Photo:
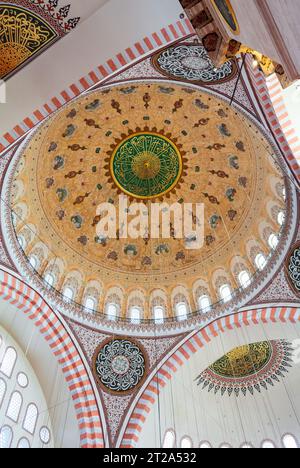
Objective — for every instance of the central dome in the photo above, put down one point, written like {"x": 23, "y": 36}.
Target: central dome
{"x": 146, "y": 165}
{"x": 152, "y": 142}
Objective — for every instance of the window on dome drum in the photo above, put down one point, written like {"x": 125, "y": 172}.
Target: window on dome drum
{"x": 284, "y": 193}
{"x": 6, "y": 436}
{"x": 159, "y": 314}
{"x": 281, "y": 218}
{"x": 68, "y": 294}
{"x": 246, "y": 445}
{"x": 14, "y": 407}
{"x": 204, "y": 304}
{"x": 8, "y": 362}
{"x": 49, "y": 279}
{"x": 244, "y": 279}
{"x": 33, "y": 262}
{"x": 112, "y": 311}
{"x": 268, "y": 444}
{"x": 90, "y": 304}
{"x": 135, "y": 315}
{"x": 169, "y": 440}
{"x": 22, "y": 242}
{"x": 2, "y": 391}
{"x": 30, "y": 419}
{"x": 23, "y": 443}
{"x": 225, "y": 293}
{"x": 260, "y": 261}
{"x": 186, "y": 443}
{"x": 273, "y": 241}
{"x": 181, "y": 311}
{"x": 289, "y": 442}
{"x": 225, "y": 446}
{"x": 205, "y": 445}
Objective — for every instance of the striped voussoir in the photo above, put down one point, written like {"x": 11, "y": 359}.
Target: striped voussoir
{"x": 193, "y": 344}
{"x": 277, "y": 98}
{"x": 165, "y": 36}
{"x": 267, "y": 92}
{"x": 30, "y": 303}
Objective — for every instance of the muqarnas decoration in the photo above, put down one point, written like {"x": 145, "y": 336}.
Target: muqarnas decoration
{"x": 27, "y": 27}
{"x": 249, "y": 368}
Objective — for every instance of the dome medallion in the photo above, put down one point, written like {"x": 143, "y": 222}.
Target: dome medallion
{"x": 146, "y": 165}
{"x": 119, "y": 366}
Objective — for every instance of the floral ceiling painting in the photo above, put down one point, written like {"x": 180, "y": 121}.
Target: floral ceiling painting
{"x": 249, "y": 368}
{"x": 27, "y": 27}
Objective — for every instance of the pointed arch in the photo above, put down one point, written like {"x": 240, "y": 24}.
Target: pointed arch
{"x": 52, "y": 328}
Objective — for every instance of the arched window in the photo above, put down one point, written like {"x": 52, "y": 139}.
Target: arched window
{"x": 30, "y": 419}
{"x": 246, "y": 445}
{"x": 273, "y": 241}
{"x": 289, "y": 442}
{"x": 159, "y": 314}
{"x": 186, "y": 443}
{"x": 23, "y": 443}
{"x": 268, "y": 444}
{"x": 204, "y": 304}
{"x": 225, "y": 446}
{"x": 68, "y": 294}
{"x": 8, "y": 362}
{"x": 181, "y": 311}
{"x": 90, "y": 303}
{"x": 260, "y": 261}
{"x": 225, "y": 293}
{"x": 169, "y": 440}
{"x": 22, "y": 242}
{"x": 284, "y": 193}
{"x": 135, "y": 315}
{"x": 205, "y": 445}
{"x": 2, "y": 391}
{"x": 14, "y": 407}
{"x": 33, "y": 262}
{"x": 49, "y": 279}
{"x": 6, "y": 436}
{"x": 112, "y": 311}
{"x": 244, "y": 279}
{"x": 281, "y": 218}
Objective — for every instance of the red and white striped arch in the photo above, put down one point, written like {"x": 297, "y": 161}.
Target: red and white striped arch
{"x": 50, "y": 326}
{"x": 159, "y": 39}
{"x": 192, "y": 345}
{"x": 277, "y": 98}
{"x": 262, "y": 90}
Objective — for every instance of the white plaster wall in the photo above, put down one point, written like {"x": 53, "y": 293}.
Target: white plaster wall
{"x": 286, "y": 14}
{"x": 253, "y": 30}
{"x": 194, "y": 412}
{"x": 118, "y": 24}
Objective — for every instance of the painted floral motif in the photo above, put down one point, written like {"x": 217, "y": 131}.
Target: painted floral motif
{"x": 120, "y": 365}
{"x": 294, "y": 269}
{"x": 248, "y": 368}
{"x": 192, "y": 63}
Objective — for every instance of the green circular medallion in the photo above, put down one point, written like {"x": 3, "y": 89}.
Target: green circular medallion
{"x": 146, "y": 165}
